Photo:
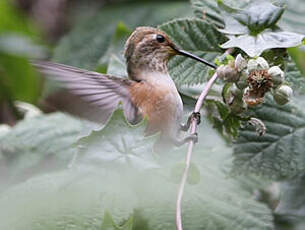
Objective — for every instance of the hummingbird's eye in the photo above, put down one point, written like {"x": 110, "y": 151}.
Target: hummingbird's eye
{"x": 160, "y": 38}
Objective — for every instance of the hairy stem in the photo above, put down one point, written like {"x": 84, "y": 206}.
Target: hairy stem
{"x": 197, "y": 108}
{"x": 190, "y": 150}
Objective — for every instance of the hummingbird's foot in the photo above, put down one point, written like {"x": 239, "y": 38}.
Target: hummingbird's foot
{"x": 191, "y": 137}
{"x": 194, "y": 115}
{"x": 184, "y": 127}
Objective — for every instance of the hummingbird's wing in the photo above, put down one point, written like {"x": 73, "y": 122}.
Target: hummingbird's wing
{"x": 103, "y": 92}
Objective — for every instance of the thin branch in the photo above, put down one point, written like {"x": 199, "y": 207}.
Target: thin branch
{"x": 190, "y": 150}
{"x": 198, "y": 106}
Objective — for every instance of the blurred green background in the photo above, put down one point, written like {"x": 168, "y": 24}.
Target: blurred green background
{"x": 76, "y": 32}
{"x": 85, "y": 34}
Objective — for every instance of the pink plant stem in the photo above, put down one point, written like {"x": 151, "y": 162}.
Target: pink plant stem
{"x": 198, "y": 105}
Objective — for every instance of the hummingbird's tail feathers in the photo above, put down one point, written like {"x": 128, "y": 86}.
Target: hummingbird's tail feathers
{"x": 104, "y": 92}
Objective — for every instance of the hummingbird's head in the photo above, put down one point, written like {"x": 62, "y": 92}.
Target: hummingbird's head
{"x": 149, "y": 49}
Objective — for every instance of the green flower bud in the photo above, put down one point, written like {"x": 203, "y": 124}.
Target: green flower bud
{"x": 282, "y": 94}
{"x": 242, "y": 81}
{"x": 262, "y": 64}
{"x": 227, "y": 73}
{"x": 277, "y": 75}
{"x": 240, "y": 63}
{"x": 252, "y": 65}
{"x": 238, "y": 105}
{"x": 236, "y": 91}
{"x": 233, "y": 98}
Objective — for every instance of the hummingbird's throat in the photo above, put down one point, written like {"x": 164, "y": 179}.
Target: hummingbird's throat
{"x": 152, "y": 63}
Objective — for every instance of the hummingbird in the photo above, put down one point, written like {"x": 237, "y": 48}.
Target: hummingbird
{"x": 149, "y": 91}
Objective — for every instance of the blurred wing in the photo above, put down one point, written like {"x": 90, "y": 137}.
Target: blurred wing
{"x": 102, "y": 91}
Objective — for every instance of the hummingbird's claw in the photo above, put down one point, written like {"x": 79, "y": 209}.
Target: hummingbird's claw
{"x": 191, "y": 137}
{"x": 194, "y": 115}
{"x": 184, "y": 127}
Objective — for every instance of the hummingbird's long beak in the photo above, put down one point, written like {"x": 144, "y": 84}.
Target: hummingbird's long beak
{"x": 187, "y": 54}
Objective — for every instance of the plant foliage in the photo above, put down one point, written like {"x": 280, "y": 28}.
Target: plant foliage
{"x": 60, "y": 172}
{"x": 277, "y": 153}
{"x": 119, "y": 183}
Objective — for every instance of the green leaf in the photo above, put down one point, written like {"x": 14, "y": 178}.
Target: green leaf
{"x": 117, "y": 66}
{"x": 223, "y": 119}
{"x": 109, "y": 224}
{"x": 77, "y": 198}
{"x": 193, "y": 174}
{"x": 97, "y": 31}
{"x": 293, "y": 17}
{"x": 37, "y": 145}
{"x": 211, "y": 156}
{"x": 198, "y": 37}
{"x": 298, "y": 56}
{"x": 256, "y": 17}
{"x": 193, "y": 35}
{"x": 291, "y": 207}
{"x": 74, "y": 198}
{"x": 21, "y": 46}
{"x": 209, "y": 10}
{"x": 291, "y": 20}
{"x": 113, "y": 60}
{"x": 279, "y": 154}
{"x": 11, "y": 20}
{"x": 295, "y": 78}
{"x": 255, "y": 45}
{"x": 19, "y": 80}
{"x": 120, "y": 143}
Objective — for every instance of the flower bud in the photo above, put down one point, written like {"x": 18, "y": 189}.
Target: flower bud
{"x": 242, "y": 81}
{"x": 227, "y": 73}
{"x": 236, "y": 91}
{"x": 252, "y": 65}
{"x": 262, "y": 64}
{"x": 250, "y": 97}
{"x": 233, "y": 98}
{"x": 238, "y": 105}
{"x": 240, "y": 63}
{"x": 277, "y": 75}
{"x": 282, "y": 94}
